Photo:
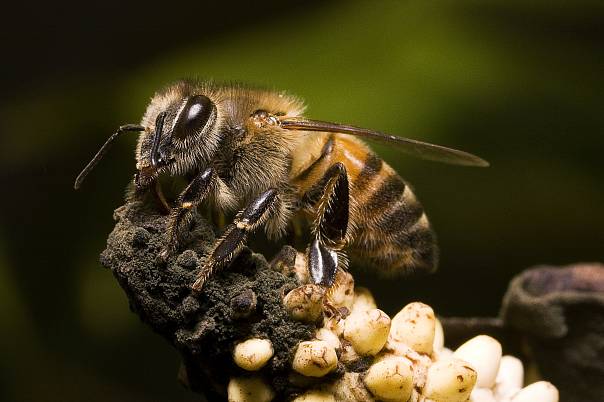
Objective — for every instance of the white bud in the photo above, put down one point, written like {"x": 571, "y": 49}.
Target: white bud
{"x": 305, "y": 303}
{"x": 390, "y": 379}
{"x": 541, "y": 391}
{"x": 367, "y": 331}
{"x": 242, "y": 389}
{"x": 341, "y": 294}
{"x": 253, "y": 354}
{"x": 414, "y": 326}
{"x": 511, "y": 371}
{"x": 510, "y": 377}
{"x": 449, "y": 380}
{"x": 439, "y": 336}
{"x": 315, "y": 396}
{"x": 324, "y": 334}
{"x": 482, "y": 395}
{"x": 483, "y": 353}
{"x": 315, "y": 358}
{"x": 363, "y": 300}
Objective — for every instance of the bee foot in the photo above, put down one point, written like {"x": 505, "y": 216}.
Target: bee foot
{"x": 197, "y": 286}
{"x": 333, "y": 311}
{"x": 205, "y": 272}
{"x": 163, "y": 255}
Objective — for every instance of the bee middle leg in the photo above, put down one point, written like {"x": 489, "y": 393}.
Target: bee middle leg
{"x": 187, "y": 201}
{"x": 324, "y": 254}
{"x": 233, "y": 239}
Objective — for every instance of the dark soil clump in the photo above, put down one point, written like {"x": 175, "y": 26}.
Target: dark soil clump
{"x": 241, "y": 301}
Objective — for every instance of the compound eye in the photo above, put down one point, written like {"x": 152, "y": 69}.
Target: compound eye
{"x": 194, "y": 116}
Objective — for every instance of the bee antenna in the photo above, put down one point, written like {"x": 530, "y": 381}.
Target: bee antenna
{"x": 99, "y": 155}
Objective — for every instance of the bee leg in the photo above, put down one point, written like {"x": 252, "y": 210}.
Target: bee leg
{"x": 187, "y": 201}
{"x": 160, "y": 197}
{"x": 322, "y": 263}
{"x": 137, "y": 192}
{"x": 324, "y": 254}
{"x": 233, "y": 239}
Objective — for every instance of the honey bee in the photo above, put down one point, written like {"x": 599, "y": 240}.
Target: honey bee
{"x": 253, "y": 150}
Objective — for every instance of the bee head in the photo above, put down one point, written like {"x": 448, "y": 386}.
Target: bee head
{"x": 178, "y": 133}
{"x": 181, "y": 135}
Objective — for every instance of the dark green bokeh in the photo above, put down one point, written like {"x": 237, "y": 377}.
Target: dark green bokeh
{"x": 518, "y": 83}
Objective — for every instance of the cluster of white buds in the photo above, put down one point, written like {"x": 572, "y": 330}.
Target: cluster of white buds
{"x": 407, "y": 359}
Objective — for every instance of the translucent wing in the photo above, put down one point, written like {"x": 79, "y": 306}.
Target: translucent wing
{"x": 420, "y": 149}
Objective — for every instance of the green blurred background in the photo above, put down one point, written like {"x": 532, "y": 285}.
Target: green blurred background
{"x": 519, "y": 83}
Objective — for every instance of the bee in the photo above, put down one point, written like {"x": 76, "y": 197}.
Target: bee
{"x": 253, "y": 150}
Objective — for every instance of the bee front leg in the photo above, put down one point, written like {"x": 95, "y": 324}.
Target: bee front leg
{"x": 187, "y": 201}
{"x": 324, "y": 254}
{"x": 233, "y": 239}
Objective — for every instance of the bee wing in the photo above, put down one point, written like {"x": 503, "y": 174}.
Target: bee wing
{"x": 420, "y": 149}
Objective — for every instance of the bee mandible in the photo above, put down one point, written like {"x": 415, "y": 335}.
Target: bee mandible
{"x": 253, "y": 150}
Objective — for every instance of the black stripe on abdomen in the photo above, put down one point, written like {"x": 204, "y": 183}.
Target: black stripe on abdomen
{"x": 403, "y": 214}
{"x": 385, "y": 196}
{"x": 371, "y": 169}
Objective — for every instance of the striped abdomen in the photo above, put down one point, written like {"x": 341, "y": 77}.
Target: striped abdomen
{"x": 388, "y": 227}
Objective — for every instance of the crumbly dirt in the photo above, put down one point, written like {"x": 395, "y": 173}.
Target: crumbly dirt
{"x": 241, "y": 301}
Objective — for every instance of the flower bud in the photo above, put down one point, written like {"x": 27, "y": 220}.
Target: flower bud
{"x": 315, "y": 358}
{"x": 363, "y": 300}
{"x": 541, "y": 391}
{"x": 367, "y": 331}
{"x": 305, "y": 303}
{"x": 341, "y": 293}
{"x": 439, "y": 336}
{"x": 449, "y": 380}
{"x": 390, "y": 379}
{"x": 253, "y": 354}
{"x": 414, "y": 326}
{"x": 510, "y": 377}
{"x": 242, "y": 389}
{"x": 483, "y": 353}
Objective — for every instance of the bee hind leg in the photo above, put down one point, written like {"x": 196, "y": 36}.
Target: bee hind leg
{"x": 187, "y": 201}
{"x": 233, "y": 239}
{"x": 324, "y": 254}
